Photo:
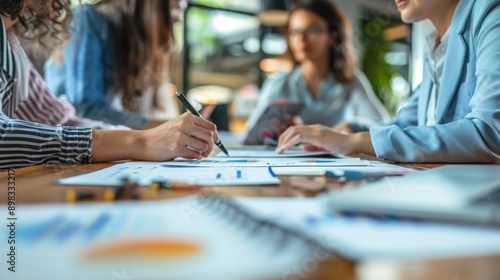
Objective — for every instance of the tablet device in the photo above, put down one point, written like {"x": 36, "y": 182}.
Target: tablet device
{"x": 265, "y": 128}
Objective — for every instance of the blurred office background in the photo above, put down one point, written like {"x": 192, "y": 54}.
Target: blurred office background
{"x": 233, "y": 45}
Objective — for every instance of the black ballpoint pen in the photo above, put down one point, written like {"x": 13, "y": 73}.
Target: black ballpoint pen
{"x": 193, "y": 111}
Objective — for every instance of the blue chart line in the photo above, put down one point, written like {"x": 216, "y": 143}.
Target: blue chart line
{"x": 96, "y": 226}
{"x": 67, "y": 231}
{"x": 37, "y": 231}
{"x": 238, "y": 174}
{"x": 320, "y": 161}
{"x": 314, "y": 220}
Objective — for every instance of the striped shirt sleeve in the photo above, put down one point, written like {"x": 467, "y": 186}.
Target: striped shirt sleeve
{"x": 24, "y": 143}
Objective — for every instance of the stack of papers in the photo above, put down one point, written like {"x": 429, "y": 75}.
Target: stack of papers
{"x": 248, "y": 165}
{"x": 219, "y": 171}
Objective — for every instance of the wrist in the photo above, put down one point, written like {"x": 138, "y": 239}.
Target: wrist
{"x": 361, "y": 143}
{"x": 136, "y": 143}
{"x": 109, "y": 145}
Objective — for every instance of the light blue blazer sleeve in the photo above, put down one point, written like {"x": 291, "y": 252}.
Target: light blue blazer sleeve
{"x": 468, "y": 106}
{"x": 87, "y": 71}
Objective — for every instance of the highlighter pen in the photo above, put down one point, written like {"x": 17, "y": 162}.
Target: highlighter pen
{"x": 113, "y": 193}
{"x": 193, "y": 111}
{"x": 74, "y": 196}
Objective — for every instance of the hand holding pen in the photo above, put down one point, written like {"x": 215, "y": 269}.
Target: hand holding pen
{"x": 193, "y": 111}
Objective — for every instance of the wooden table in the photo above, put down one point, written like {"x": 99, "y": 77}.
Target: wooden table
{"x": 36, "y": 185}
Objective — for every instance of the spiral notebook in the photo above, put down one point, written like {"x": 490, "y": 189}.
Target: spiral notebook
{"x": 188, "y": 238}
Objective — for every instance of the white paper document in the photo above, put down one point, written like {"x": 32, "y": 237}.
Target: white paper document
{"x": 365, "y": 237}
{"x": 266, "y": 162}
{"x": 270, "y": 152}
{"x": 370, "y": 167}
{"x": 175, "y": 239}
{"x": 146, "y": 173}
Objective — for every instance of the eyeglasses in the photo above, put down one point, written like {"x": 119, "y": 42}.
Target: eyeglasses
{"x": 312, "y": 31}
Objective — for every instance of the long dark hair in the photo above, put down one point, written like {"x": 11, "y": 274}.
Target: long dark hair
{"x": 343, "y": 59}
{"x": 143, "y": 40}
{"x": 44, "y": 20}
{"x": 11, "y": 8}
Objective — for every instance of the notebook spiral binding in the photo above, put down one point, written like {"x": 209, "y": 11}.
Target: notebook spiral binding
{"x": 234, "y": 212}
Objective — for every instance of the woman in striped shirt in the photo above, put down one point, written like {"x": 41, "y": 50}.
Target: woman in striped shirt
{"x": 36, "y": 127}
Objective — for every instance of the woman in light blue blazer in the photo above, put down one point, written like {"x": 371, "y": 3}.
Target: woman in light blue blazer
{"x": 454, "y": 115}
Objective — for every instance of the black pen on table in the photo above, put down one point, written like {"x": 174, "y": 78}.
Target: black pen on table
{"x": 193, "y": 111}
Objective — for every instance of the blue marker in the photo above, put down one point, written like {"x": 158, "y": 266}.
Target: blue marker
{"x": 219, "y": 176}
{"x": 238, "y": 174}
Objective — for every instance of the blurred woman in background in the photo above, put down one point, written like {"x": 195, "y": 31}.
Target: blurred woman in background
{"x": 325, "y": 78}
{"x": 117, "y": 61}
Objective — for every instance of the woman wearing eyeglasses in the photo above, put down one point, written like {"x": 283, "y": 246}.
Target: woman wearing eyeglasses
{"x": 454, "y": 115}
{"x": 325, "y": 78}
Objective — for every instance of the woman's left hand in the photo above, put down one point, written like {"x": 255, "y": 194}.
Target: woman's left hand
{"x": 319, "y": 137}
